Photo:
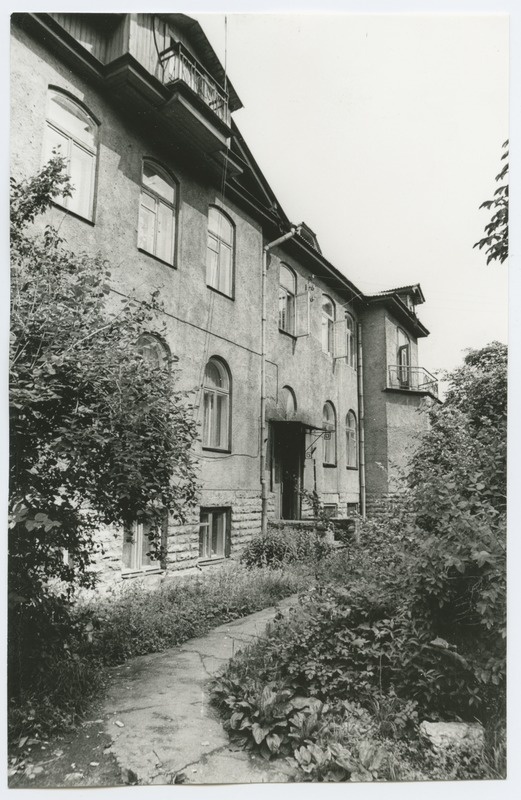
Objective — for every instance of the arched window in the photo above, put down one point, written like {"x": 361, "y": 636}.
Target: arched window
{"x": 220, "y": 252}
{"x": 329, "y": 437}
{"x": 351, "y": 340}
{"x": 351, "y": 440}
{"x": 154, "y": 351}
{"x": 287, "y": 292}
{"x": 328, "y": 321}
{"x": 216, "y": 404}
{"x": 288, "y": 402}
{"x": 157, "y": 213}
{"x": 403, "y": 358}
{"x": 73, "y": 133}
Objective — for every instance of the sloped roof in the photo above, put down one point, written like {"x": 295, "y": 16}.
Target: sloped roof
{"x": 414, "y": 289}
{"x": 206, "y": 54}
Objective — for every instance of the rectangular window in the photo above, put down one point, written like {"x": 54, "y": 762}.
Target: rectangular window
{"x": 137, "y": 548}
{"x": 286, "y": 311}
{"x": 80, "y": 165}
{"x": 214, "y": 533}
{"x": 329, "y": 439}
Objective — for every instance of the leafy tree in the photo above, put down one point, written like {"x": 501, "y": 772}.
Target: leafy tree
{"x": 496, "y": 239}
{"x": 99, "y": 436}
{"x": 458, "y": 505}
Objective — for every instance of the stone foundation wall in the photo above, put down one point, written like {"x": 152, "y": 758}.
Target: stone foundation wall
{"x": 182, "y": 541}
{"x": 378, "y": 506}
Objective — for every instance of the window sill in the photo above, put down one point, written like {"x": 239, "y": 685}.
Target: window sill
{"x": 217, "y": 450}
{"x": 157, "y": 258}
{"x": 287, "y": 333}
{"x": 206, "y": 562}
{"x": 223, "y": 294}
{"x": 72, "y": 213}
{"x": 329, "y": 466}
{"x": 353, "y": 469}
{"x": 136, "y": 573}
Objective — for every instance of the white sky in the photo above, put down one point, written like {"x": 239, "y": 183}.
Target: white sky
{"x": 384, "y": 133}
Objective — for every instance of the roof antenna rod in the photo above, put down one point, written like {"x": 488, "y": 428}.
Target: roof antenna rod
{"x": 225, "y": 52}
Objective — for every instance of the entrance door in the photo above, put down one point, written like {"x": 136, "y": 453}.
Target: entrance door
{"x": 288, "y": 445}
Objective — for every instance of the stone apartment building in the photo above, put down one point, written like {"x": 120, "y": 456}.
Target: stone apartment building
{"x": 301, "y": 381}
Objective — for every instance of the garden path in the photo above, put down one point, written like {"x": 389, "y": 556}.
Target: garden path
{"x": 158, "y": 715}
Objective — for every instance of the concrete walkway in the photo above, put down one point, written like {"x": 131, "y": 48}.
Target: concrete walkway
{"x": 159, "y": 716}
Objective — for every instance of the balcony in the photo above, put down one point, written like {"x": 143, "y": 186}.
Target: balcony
{"x": 412, "y": 379}
{"x": 180, "y": 67}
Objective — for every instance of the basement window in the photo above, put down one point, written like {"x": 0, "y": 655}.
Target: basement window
{"x": 214, "y": 534}
{"x": 138, "y": 548}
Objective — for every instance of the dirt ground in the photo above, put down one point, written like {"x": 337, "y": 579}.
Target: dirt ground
{"x": 82, "y": 757}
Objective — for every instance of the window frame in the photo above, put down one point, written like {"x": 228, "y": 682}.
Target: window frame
{"x": 223, "y": 512}
{"x": 328, "y": 323}
{"x": 221, "y": 365}
{"x": 73, "y": 139}
{"x": 220, "y": 244}
{"x": 331, "y": 442}
{"x": 288, "y": 298}
{"x": 159, "y": 200}
{"x": 403, "y": 364}
{"x": 351, "y": 435}
{"x": 146, "y": 339}
{"x": 351, "y": 340}
{"x": 288, "y": 391}
{"x": 137, "y": 531}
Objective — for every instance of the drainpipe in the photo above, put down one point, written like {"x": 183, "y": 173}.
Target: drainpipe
{"x": 361, "y": 423}
{"x": 264, "y": 488}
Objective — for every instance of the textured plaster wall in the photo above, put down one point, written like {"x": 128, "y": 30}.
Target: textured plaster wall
{"x": 198, "y": 323}
{"x": 315, "y": 378}
{"x": 375, "y": 357}
{"x": 393, "y": 423}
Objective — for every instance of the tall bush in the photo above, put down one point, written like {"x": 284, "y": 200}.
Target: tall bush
{"x": 98, "y": 435}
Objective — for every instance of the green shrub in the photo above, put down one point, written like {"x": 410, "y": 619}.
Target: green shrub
{"x": 279, "y": 547}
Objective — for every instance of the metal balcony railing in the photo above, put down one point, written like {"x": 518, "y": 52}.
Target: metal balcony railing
{"x": 179, "y": 65}
{"x": 414, "y": 379}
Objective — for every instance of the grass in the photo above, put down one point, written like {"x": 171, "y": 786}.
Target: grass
{"x": 136, "y": 621}
{"x": 133, "y": 620}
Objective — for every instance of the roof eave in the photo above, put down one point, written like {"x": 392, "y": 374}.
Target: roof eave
{"x": 401, "y": 312}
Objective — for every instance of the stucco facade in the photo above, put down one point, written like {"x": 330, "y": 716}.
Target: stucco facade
{"x": 109, "y": 66}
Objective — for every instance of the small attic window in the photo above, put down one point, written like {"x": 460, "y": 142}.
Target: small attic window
{"x": 309, "y": 236}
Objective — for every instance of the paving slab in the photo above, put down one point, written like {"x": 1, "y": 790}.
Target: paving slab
{"x": 158, "y": 713}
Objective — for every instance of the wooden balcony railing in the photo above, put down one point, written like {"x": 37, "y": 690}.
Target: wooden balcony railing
{"x": 414, "y": 379}
{"x": 179, "y": 65}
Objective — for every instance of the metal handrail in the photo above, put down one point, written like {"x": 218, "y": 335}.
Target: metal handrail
{"x": 179, "y": 65}
{"x": 414, "y": 379}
